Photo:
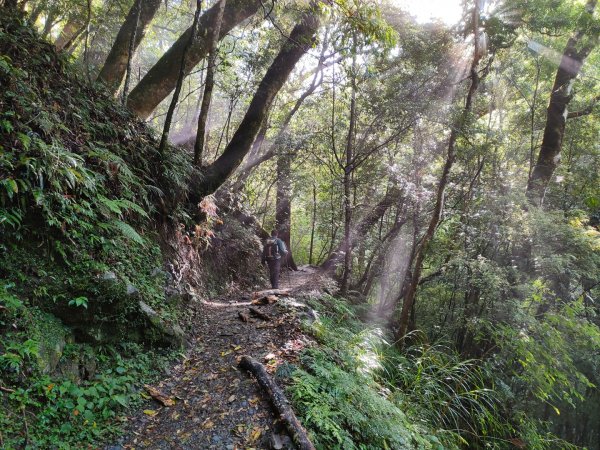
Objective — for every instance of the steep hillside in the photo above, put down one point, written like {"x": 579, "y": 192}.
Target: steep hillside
{"x": 98, "y": 257}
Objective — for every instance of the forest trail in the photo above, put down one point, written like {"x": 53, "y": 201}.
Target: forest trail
{"x": 217, "y": 406}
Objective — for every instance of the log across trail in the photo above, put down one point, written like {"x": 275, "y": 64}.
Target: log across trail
{"x": 279, "y": 401}
{"x": 217, "y": 404}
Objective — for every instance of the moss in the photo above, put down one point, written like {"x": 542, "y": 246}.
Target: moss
{"x": 52, "y": 337}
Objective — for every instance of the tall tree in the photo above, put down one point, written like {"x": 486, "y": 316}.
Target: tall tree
{"x": 139, "y": 17}
{"x": 299, "y": 41}
{"x": 181, "y": 76}
{"x": 214, "y": 32}
{"x": 577, "y": 49}
{"x": 283, "y": 202}
{"x": 161, "y": 79}
{"x": 457, "y": 129}
{"x": 348, "y": 168}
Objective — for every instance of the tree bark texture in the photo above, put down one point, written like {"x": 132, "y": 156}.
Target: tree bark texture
{"x": 279, "y": 401}
{"x": 209, "y": 84}
{"x": 161, "y": 79}
{"x": 300, "y": 40}
{"x": 115, "y": 66}
{"x": 577, "y": 49}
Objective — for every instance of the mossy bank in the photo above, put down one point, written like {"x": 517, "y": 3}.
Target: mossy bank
{"x": 98, "y": 254}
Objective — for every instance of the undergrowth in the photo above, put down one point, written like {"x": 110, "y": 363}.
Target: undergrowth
{"x": 355, "y": 390}
{"x": 72, "y": 408}
{"x": 81, "y": 184}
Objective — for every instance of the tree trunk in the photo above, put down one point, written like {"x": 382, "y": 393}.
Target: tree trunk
{"x": 115, "y": 66}
{"x": 208, "y": 86}
{"x": 131, "y": 51}
{"x": 409, "y": 297}
{"x": 363, "y": 227}
{"x": 313, "y": 224}
{"x": 251, "y": 163}
{"x": 283, "y": 203}
{"x": 576, "y": 50}
{"x": 70, "y": 29}
{"x": 48, "y": 23}
{"x": 301, "y": 39}
{"x": 161, "y": 79}
{"x": 347, "y": 182}
{"x": 175, "y": 99}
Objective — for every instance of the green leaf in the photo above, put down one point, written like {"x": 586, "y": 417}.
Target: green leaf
{"x": 127, "y": 231}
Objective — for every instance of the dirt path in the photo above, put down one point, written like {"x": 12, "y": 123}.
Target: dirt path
{"x": 216, "y": 405}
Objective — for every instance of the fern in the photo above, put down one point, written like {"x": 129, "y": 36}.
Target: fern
{"x": 12, "y": 217}
{"x": 127, "y": 231}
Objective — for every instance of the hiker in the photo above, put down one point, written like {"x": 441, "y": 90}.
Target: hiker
{"x": 273, "y": 250}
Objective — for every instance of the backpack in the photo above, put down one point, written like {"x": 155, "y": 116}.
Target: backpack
{"x": 271, "y": 250}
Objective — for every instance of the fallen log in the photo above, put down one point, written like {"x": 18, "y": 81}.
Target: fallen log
{"x": 266, "y": 300}
{"x": 260, "y": 315}
{"x": 279, "y": 401}
{"x": 266, "y": 293}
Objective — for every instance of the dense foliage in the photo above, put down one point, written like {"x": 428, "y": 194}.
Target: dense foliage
{"x": 448, "y": 177}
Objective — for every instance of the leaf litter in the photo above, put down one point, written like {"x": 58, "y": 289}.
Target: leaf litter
{"x": 206, "y": 402}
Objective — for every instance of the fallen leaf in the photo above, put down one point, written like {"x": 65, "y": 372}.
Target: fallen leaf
{"x": 256, "y": 432}
{"x": 270, "y": 356}
{"x": 231, "y": 399}
{"x": 208, "y": 424}
{"x": 159, "y": 396}
{"x": 150, "y": 412}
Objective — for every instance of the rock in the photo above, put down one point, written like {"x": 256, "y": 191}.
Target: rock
{"x": 173, "y": 295}
{"x": 280, "y": 442}
{"x": 292, "y": 303}
{"x": 171, "y": 333}
{"x": 132, "y": 290}
{"x": 54, "y": 338}
{"x": 109, "y": 276}
{"x": 157, "y": 271}
{"x": 310, "y": 315}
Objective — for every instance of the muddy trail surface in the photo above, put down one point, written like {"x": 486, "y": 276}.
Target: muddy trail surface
{"x": 207, "y": 402}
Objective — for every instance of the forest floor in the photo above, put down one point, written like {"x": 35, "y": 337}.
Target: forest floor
{"x": 217, "y": 406}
